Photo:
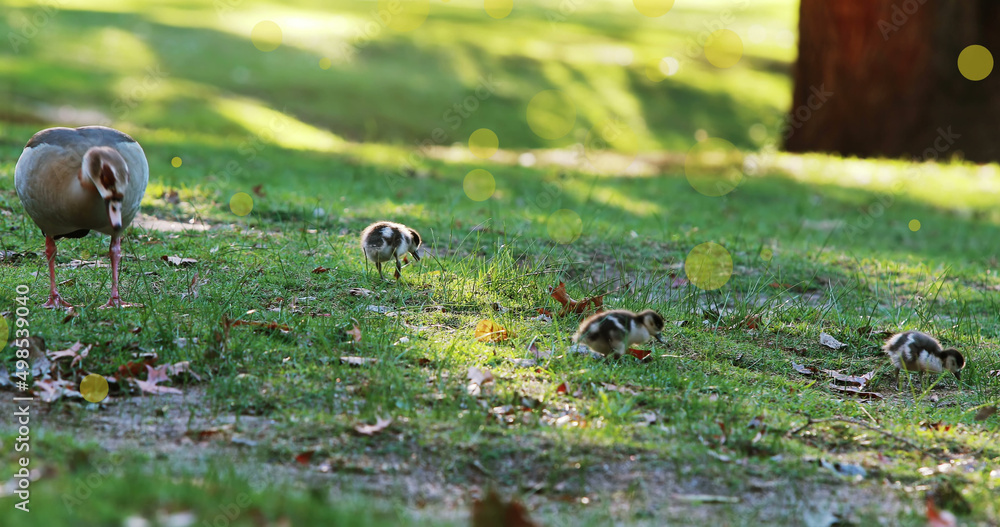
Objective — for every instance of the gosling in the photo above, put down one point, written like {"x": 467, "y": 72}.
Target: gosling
{"x": 611, "y": 332}
{"x": 916, "y": 351}
{"x": 384, "y": 240}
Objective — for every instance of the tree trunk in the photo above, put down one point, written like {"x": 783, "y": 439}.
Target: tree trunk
{"x": 880, "y": 78}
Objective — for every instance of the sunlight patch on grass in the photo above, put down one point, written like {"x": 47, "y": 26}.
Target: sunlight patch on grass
{"x": 276, "y": 127}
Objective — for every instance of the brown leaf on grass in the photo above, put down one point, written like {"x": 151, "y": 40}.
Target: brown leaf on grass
{"x": 267, "y": 326}
{"x": 133, "y": 369}
{"x": 985, "y": 412}
{"x": 153, "y": 378}
{"x": 494, "y": 512}
{"x": 481, "y": 382}
{"x": 380, "y": 424}
{"x": 193, "y": 287}
{"x": 803, "y": 369}
{"x": 489, "y": 331}
{"x": 258, "y": 190}
{"x": 354, "y": 333}
{"x": 860, "y": 380}
{"x": 358, "y": 361}
{"x": 575, "y": 306}
{"x": 638, "y": 353}
{"x": 305, "y": 457}
{"x": 939, "y": 518}
{"x": 51, "y": 390}
{"x": 320, "y": 270}
{"x": 561, "y": 388}
{"x": 855, "y": 390}
{"x": 178, "y": 261}
{"x": 181, "y": 367}
{"x": 77, "y": 352}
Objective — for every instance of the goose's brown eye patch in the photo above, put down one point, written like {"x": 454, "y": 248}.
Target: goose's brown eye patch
{"x": 107, "y": 177}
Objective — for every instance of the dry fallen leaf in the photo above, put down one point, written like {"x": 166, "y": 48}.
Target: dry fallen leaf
{"x": 320, "y": 270}
{"x": 181, "y": 367}
{"x": 861, "y": 380}
{"x": 50, "y": 390}
{"x": 258, "y": 190}
{"x": 305, "y": 457}
{"x": 830, "y": 342}
{"x": 481, "y": 382}
{"x": 638, "y": 353}
{"x": 575, "y": 306}
{"x": 803, "y": 369}
{"x": 135, "y": 368}
{"x": 77, "y": 352}
{"x": 269, "y": 326}
{"x": 380, "y": 424}
{"x": 939, "y": 518}
{"x": 985, "y": 413}
{"x": 153, "y": 378}
{"x": 493, "y": 512}
{"x": 355, "y": 333}
{"x": 489, "y": 331}
{"x": 561, "y": 388}
{"x": 856, "y": 390}
{"x": 178, "y": 261}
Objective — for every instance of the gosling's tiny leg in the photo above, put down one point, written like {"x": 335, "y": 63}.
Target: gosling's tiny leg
{"x": 378, "y": 265}
{"x": 399, "y": 268}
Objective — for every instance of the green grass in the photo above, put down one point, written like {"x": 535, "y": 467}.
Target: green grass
{"x": 329, "y": 149}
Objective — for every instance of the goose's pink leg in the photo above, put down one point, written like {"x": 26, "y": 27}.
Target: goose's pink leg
{"x": 116, "y": 256}
{"x": 55, "y": 301}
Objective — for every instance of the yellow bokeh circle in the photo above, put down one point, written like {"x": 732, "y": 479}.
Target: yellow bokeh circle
{"x": 564, "y": 226}
{"x": 723, "y": 48}
{"x": 498, "y": 8}
{"x": 766, "y": 254}
{"x": 479, "y": 185}
{"x": 325, "y": 63}
{"x": 551, "y": 114}
{"x": 709, "y": 266}
{"x": 403, "y": 15}
{"x": 611, "y": 146}
{"x": 94, "y": 388}
{"x": 914, "y": 225}
{"x": 975, "y": 62}
{"x": 484, "y": 143}
{"x": 176, "y": 162}
{"x": 266, "y": 35}
{"x": 653, "y": 8}
{"x": 241, "y": 204}
{"x": 714, "y": 167}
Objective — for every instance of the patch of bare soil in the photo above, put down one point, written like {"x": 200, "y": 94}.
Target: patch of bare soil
{"x": 557, "y": 482}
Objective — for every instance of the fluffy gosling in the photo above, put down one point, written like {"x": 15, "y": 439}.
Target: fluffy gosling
{"x": 384, "y": 240}
{"x": 916, "y": 351}
{"x": 611, "y": 332}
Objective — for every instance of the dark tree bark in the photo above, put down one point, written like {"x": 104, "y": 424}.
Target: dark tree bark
{"x": 880, "y": 78}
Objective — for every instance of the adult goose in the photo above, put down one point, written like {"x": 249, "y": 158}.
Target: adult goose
{"x": 75, "y": 180}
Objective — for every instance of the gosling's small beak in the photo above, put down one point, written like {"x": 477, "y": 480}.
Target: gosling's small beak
{"x": 958, "y": 375}
{"x": 415, "y": 256}
{"x": 659, "y": 338}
